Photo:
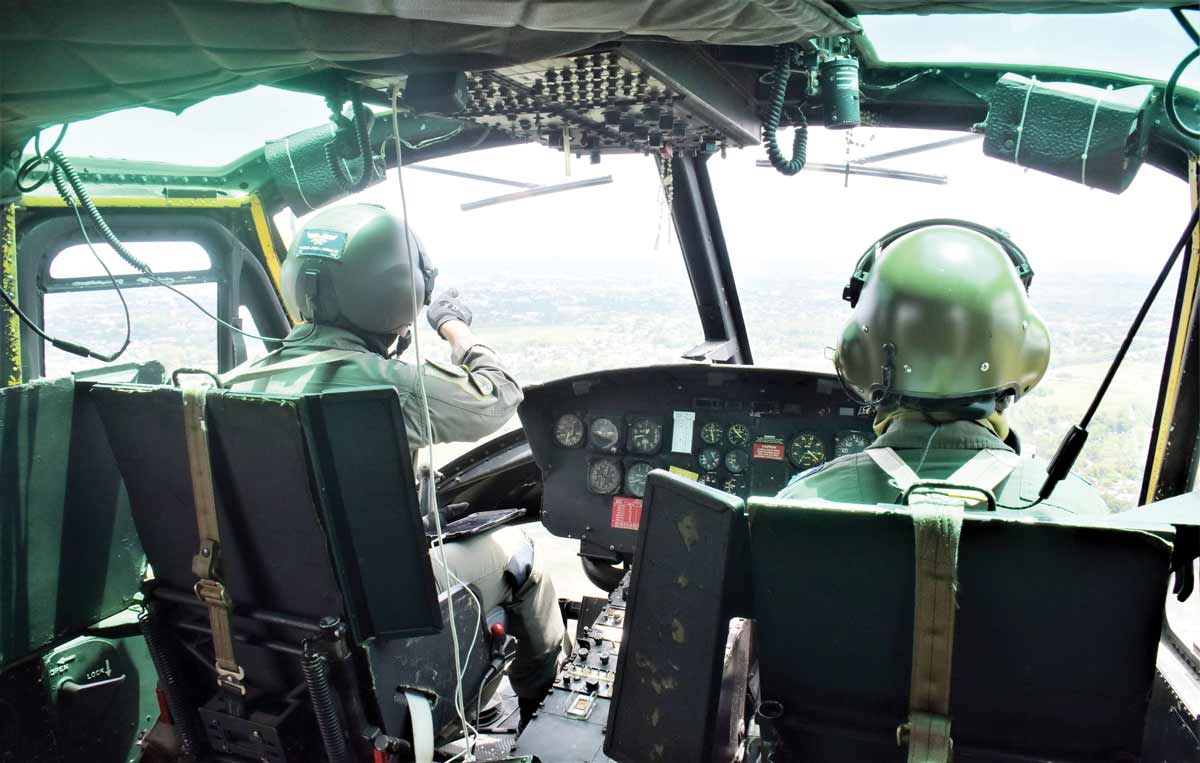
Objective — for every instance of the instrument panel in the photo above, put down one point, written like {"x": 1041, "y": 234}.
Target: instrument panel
{"x": 741, "y": 429}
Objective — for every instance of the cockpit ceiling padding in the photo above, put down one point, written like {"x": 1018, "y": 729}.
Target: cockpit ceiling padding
{"x": 65, "y": 60}
{"x": 1007, "y": 6}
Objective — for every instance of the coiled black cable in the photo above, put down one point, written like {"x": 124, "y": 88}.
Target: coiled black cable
{"x": 72, "y": 178}
{"x": 784, "y": 56}
{"x": 363, "y": 142}
{"x": 168, "y": 678}
{"x": 324, "y": 704}
{"x": 70, "y": 187}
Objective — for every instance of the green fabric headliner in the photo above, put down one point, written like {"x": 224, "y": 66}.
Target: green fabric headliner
{"x": 65, "y": 60}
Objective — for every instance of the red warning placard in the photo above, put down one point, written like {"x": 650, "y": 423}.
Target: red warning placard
{"x": 626, "y": 512}
{"x": 771, "y": 451}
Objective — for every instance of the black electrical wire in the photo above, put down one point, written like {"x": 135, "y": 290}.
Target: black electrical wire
{"x": 150, "y": 276}
{"x": 66, "y": 180}
{"x": 1169, "y": 97}
{"x": 781, "y": 74}
{"x": 1071, "y": 446}
{"x": 1141, "y": 316}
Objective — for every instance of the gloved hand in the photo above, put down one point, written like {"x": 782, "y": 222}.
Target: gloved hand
{"x": 447, "y": 307}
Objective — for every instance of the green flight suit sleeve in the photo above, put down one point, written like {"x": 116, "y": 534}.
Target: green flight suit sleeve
{"x": 469, "y": 398}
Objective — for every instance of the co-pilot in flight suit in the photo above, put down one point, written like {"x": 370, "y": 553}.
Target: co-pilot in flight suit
{"x": 937, "y": 451}
{"x": 468, "y": 400}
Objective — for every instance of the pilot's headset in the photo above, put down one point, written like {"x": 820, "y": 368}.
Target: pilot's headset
{"x": 349, "y": 266}
{"x": 942, "y": 320}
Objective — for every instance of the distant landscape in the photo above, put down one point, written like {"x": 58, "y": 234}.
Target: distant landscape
{"x": 549, "y": 328}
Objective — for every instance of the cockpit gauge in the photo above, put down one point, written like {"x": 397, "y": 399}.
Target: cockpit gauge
{"x": 645, "y": 436}
{"x": 604, "y": 476}
{"x": 850, "y": 441}
{"x": 709, "y": 459}
{"x": 736, "y": 484}
{"x": 736, "y": 461}
{"x": 635, "y": 479}
{"x": 806, "y": 450}
{"x": 605, "y": 435}
{"x": 568, "y": 431}
{"x": 711, "y": 479}
{"x": 711, "y": 433}
{"x": 738, "y": 434}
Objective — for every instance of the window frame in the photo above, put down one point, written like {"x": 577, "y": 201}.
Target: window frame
{"x": 239, "y": 276}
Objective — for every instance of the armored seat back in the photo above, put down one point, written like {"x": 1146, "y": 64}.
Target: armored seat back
{"x": 318, "y": 520}
{"x": 1055, "y": 632}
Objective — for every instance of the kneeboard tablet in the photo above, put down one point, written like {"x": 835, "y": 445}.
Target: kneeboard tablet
{"x": 474, "y": 524}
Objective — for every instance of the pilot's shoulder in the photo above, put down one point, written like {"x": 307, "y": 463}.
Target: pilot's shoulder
{"x": 820, "y": 481}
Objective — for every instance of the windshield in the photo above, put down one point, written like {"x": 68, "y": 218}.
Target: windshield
{"x": 1145, "y": 43}
{"x": 210, "y": 134}
{"x": 562, "y": 283}
{"x": 795, "y": 240}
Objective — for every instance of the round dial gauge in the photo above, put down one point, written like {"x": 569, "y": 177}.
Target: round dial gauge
{"x": 710, "y": 479}
{"x": 739, "y": 434}
{"x": 806, "y": 450}
{"x": 712, "y": 432}
{"x": 846, "y": 443}
{"x": 736, "y": 461}
{"x": 604, "y": 476}
{"x": 635, "y": 479}
{"x": 709, "y": 459}
{"x": 645, "y": 436}
{"x": 736, "y": 484}
{"x": 568, "y": 431}
{"x": 605, "y": 434}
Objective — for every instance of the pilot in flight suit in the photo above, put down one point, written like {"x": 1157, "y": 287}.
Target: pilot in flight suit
{"x": 942, "y": 339}
{"x": 349, "y": 277}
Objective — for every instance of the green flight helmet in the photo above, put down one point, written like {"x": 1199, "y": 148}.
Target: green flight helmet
{"x": 943, "y": 322}
{"x": 349, "y": 267}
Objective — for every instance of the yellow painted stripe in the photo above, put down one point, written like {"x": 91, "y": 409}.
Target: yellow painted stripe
{"x": 11, "y": 327}
{"x": 270, "y": 256}
{"x": 145, "y": 202}
{"x": 1185, "y": 321}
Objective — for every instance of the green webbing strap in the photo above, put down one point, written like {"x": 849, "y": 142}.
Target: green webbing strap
{"x": 249, "y": 371}
{"x": 936, "y": 532}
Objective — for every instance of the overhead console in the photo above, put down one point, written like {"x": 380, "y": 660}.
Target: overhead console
{"x": 741, "y": 429}
{"x": 634, "y": 96}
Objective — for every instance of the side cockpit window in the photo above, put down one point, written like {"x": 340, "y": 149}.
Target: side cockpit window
{"x": 79, "y": 303}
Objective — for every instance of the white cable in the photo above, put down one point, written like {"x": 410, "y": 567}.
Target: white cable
{"x": 468, "y": 730}
{"x": 1021, "y": 126}
{"x": 1087, "y": 146}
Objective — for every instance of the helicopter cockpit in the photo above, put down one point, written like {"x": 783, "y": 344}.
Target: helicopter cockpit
{"x": 661, "y": 214}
